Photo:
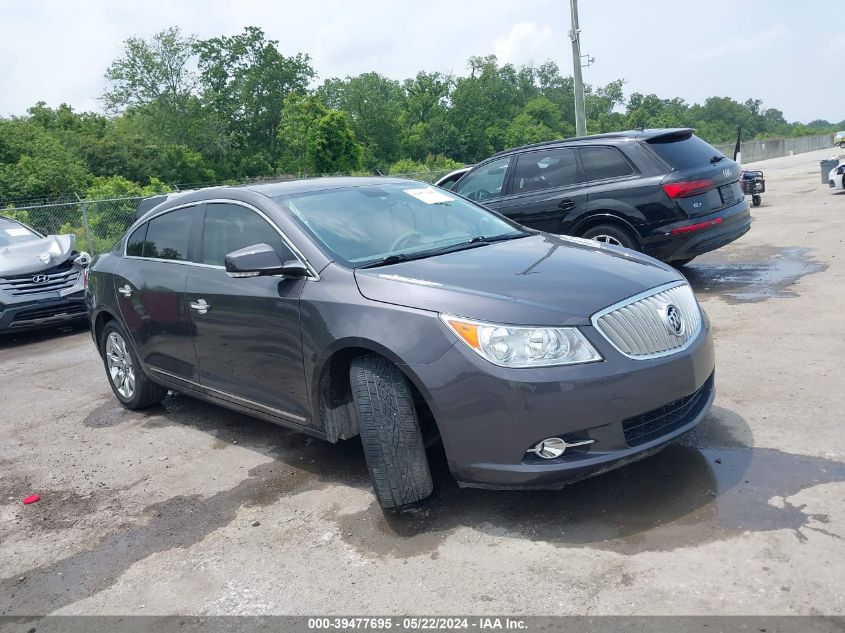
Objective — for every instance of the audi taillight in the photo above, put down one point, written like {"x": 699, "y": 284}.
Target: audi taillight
{"x": 687, "y": 188}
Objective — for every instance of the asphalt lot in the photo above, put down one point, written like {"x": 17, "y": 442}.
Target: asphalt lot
{"x": 153, "y": 512}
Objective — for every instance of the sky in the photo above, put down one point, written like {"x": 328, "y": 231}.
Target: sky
{"x": 786, "y": 53}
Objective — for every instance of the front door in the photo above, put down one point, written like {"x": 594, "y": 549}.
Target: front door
{"x": 548, "y": 188}
{"x": 150, "y": 286}
{"x": 247, "y": 331}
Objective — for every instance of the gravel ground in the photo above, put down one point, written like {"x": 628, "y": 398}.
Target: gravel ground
{"x": 190, "y": 509}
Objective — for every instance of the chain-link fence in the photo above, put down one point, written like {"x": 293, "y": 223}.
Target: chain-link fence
{"x": 98, "y": 224}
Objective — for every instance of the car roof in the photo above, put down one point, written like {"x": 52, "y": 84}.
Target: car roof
{"x": 639, "y": 134}
{"x": 290, "y": 187}
{"x": 269, "y": 190}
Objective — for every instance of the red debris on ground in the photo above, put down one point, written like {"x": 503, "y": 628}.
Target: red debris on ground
{"x": 31, "y": 499}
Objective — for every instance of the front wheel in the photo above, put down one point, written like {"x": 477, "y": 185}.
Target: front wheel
{"x": 611, "y": 234}
{"x": 842, "y": 145}
{"x": 128, "y": 381}
{"x": 390, "y": 432}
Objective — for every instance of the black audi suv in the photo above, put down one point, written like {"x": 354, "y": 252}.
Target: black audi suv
{"x": 664, "y": 192}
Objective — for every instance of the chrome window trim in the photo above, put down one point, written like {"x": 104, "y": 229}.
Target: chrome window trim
{"x": 313, "y": 275}
{"x": 264, "y": 407}
{"x": 638, "y": 297}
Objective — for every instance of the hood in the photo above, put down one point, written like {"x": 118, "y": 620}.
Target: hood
{"x": 36, "y": 255}
{"x": 537, "y": 280}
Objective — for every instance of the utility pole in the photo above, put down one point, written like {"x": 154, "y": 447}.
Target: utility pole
{"x": 575, "y": 36}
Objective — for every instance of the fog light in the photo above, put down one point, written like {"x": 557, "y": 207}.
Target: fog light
{"x": 554, "y": 447}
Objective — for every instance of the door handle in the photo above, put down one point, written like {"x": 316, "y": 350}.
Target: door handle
{"x": 200, "y": 306}
{"x": 125, "y": 290}
{"x": 566, "y": 204}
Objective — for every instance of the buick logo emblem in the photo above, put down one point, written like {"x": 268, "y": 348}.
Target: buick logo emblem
{"x": 726, "y": 173}
{"x": 40, "y": 279}
{"x": 673, "y": 320}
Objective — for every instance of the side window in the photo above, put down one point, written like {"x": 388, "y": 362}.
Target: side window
{"x": 229, "y": 227}
{"x": 169, "y": 235}
{"x": 546, "y": 169}
{"x": 135, "y": 243}
{"x": 605, "y": 162}
{"x": 485, "y": 182}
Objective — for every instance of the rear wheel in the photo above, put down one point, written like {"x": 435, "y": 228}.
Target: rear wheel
{"x": 390, "y": 432}
{"x": 756, "y": 200}
{"x": 128, "y": 381}
{"x": 611, "y": 234}
{"x": 842, "y": 145}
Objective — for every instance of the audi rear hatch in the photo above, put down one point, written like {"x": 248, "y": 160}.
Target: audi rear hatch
{"x": 702, "y": 180}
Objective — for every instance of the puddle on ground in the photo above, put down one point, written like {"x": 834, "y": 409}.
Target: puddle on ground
{"x": 748, "y": 274}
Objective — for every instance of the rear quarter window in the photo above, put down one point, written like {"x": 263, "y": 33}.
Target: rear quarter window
{"x": 135, "y": 242}
{"x": 683, "y": 152}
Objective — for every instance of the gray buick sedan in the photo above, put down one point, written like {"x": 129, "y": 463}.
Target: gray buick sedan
{"x": 406, "y": 315}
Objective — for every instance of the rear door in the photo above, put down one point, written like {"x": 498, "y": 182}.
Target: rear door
{"x": 247, "y": 331}
{"x": 548, "y": 188}
{"x": 617, "y": 186}
{"x": 150, "y": 285}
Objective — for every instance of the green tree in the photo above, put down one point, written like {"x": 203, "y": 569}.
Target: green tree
{"x": 245, "y": 80}
{"x": 373, "y": 103}
{"x": 155, "y": 76}
{"x": 315, "y": 139}
{"x": 35, "y": 164}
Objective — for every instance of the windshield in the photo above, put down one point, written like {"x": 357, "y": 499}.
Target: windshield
{"x": 368, "y": 224}
{"x": 12, "y": 232}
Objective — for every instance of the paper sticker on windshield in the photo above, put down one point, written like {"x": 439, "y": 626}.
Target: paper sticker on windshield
{"x": 17, "y": 232}
{"x": 429, "y": 195}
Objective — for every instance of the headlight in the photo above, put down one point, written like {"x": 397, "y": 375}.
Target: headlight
{"x": 512, "y": 346}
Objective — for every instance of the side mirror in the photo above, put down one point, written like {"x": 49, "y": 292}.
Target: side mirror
{"x": 261, "y": 259}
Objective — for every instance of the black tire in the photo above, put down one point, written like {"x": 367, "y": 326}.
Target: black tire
{"x": 756, "y": 200}
{"x": 842, "y": 145}
{"x": 610, "y": 232}
{"x": 681, "y": 262}
{"x": 145, "y": 392}
{"x": 390, "y": 432}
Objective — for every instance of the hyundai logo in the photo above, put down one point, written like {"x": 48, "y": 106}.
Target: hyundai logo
{"x": 673, "y": 320}
{"x": 40, "y": 279}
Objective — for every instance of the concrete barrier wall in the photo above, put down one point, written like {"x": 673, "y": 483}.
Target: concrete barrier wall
{"x": 775, "y": 147}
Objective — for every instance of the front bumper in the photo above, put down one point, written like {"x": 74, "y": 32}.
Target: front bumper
{"x": 489, "y": 416}
{"x": 38, "y": 313}
{"x": 663, "y": 245}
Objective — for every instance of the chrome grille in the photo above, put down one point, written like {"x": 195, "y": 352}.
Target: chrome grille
{"x": 638, "y": 328}
{"x": 58, "y": 278}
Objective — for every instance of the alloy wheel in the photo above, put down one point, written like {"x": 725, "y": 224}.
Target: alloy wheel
{"x": 607, "y": 239}
{"x": 121, "y": 370}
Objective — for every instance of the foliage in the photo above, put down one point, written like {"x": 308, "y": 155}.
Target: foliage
{"x": 315, "y": 139}
{"x": 188, "y": 111}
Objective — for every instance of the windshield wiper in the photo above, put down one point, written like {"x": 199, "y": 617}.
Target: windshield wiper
{"x": 478, "y": 240}
{"x": 716, "y": 159}
{"x": 390, "y": 259}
